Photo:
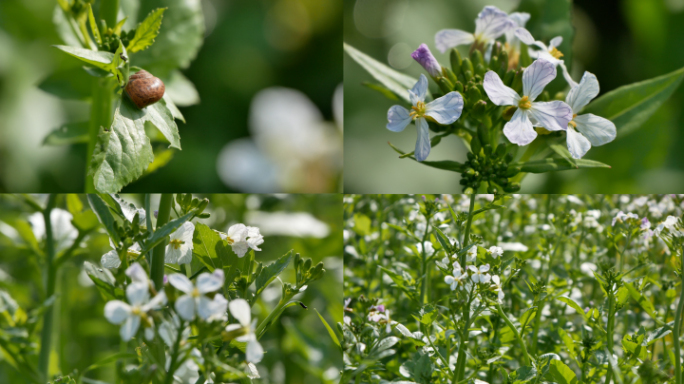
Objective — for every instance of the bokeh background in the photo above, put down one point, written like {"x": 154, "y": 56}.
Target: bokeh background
{"x": 249, "y": 46}
{"x": 621, "y": 41}
{"x": 298, "y": 347}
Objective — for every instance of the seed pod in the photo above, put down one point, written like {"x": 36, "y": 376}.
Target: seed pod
{"x": 144, "y": 89}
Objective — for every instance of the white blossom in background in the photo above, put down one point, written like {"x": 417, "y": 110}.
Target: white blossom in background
{"x": 241, "y": 311}
{"x": 621, "y": 217}
{"x": 671, "y": 224}
{"x": 294, "y": 224}
{"x": 63, "y": 232}
{"x": 429, "y": 249}
{"x": 490, "y": 24}
{"x": 496, "y": 284}
{"x": 471, "y": 254}
{"x": 512, "y": 41}
{"x": 480, "y": 275}
{"x": 292, "y": 147}
{"x": 551, "y": 115}
{"x": 241, "y": 238}
{"x": 179, "y": 249}
{"x": 111, "y": 259}
{"x": 130, "y": 314}
{"x": 195, "y": 301}
{"x": 495, "y": 251}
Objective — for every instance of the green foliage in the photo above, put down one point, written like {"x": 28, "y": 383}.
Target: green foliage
{"x": 271, "y": 271}
{"x": 146, "y": 31}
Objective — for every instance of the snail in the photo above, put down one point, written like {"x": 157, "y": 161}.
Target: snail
{"x": 144, "y": 89}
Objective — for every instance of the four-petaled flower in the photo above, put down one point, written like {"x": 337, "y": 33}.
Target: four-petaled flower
{"x": 194, "y": 299}
{"x": 496, "y": 286}
{"x": 593, "y": 130}
{"x": 459, "y": 278}
{"x": 552, "y": 115}
{"x": 111, "y": 259}
{"x": 549, "y": 53}
{"x": 179, "y": 249}
{"x": 444, "y": 110}
{"x": 495, "y": 251}
{"x": 480, "y": 275}
{"x": 241, "y": 311}
{"x": 491, "y": 23}
{"x": 241, "y": 238}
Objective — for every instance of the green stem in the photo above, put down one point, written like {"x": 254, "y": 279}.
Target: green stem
{"x": 157, "y": 266}
{"x": 51, "y": 277}
{"x": 174, "y": 354}
{"x": 424, "y": 286}
{"x": 100, "y": 116}
{"x": 282, "y": 304}
{"x": 676, "y": 329}
{"x": 109, "y": 9}
{"x": 527, "y": 360}
{"x": 466, "y": 235}
{"x": 610, "y": 331}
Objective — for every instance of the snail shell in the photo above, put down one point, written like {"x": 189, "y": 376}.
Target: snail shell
{"x": 144, "y": 89}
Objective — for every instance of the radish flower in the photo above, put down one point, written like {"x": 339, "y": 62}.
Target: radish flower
{"x": 241, "y": 311}
{"x": 425, "y": 58}
{"x": 194, "y": 299}
{"x": 480, "y": 275}
{"x": 459, "y": 278}
{"x": 444, "y": 110}
{"x": 491, "y": 23}
{"x": 241, "y": 238}
{"x": 179, "y": 250}
{"x": 549, "y": 53}
{"x": 552, "y": 115}
{"x": 593, "y": 130}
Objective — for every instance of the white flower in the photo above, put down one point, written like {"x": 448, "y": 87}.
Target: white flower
{"x": 471, "y": 254}
{"x": 459, "y": 278}
{"x": 240, "y": 310}
{"x": 489, "y": 25}
{"x": 670, "y": 224}
{"x": 179, "y": 249}
{"x": 552, "y": 115}
{"x": 429, "y": 249}
{"x": 549, "y": 53}
{"x": 480, "y": 275}
{"x": 138, "y": 295}
{"x": 111, "y": 259}
{"x": 241, "y": 238}
{"x": 621, "y": 217}
{"x": 512, "y": 40}
{"x": 496, "y": 284}
{"x": 444, "y": 110}
{"x": 194, "y": 300}
{"x": 514, "y": 247}
{"x": 593, "y": 130}
{"x": 63, "y": 232}
{"x": 495, "y": 251}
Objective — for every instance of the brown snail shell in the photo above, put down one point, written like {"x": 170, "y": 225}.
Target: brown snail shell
{"x": 144, "y": 89}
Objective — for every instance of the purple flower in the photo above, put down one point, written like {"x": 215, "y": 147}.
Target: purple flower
{"x": 645, "y": 224}
{"x": 424, "y": 57}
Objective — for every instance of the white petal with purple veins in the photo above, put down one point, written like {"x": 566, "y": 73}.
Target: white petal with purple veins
{"x": 552, "y": 115}
{"x": 597, "y": 129}
{"x": 537, "y": 76}
{"x": 583, "y": 93}
{"x": 497, "y": 91}
{"x": 446, "y": 109}
{"x": 519, "y": 130}
{"x": 578, "y": 145}
{"x": 398, "y": 118}
{"x": 423, "y": 141}
{"x": 449, "y": 38}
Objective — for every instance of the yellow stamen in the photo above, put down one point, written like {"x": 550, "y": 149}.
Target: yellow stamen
{"x": 136, "y": 311}
{"x": 572, "y": 122}
{"x": 176, "y": 243}
{"x": 195, "y": 292}
{"x": 556, "y": 53}
{"x": 418, "y": 110}
{"x": 525, "y": 103}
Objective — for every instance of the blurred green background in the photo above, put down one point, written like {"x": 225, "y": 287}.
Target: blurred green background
{"x": 621, "y": 41}
{"x": 298, "y": 347}
{"x": 248, "y": 46}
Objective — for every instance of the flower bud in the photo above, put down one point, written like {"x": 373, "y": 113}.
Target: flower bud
{"x": 512, "y": 171}
{"x": 508, "y": 77}
{"x": 500, "y": 151}
{"x": 480, "y": 70}
{"x": 458, "y": 87}
{"x": 445, "y": 85}
{"x": 559, "y": 96}
{"x": 473, "y": 95}
{"x": 476, "y": 58}
{"x": 494, "y": 63}
{"x": 492, "y": 189}
{"x": 468, "y": 191}
{"x": 487, "y": 149}
{"x": 466, "y": 66}
{"x": 479, "y": 109}
{"x": 512, "y": 187}
{"x": 503, "y": 63}
{"x": 517, "y": 81}
{"x": 475, "y": 145}
{"x": 425, "y": 58}
{"x": 449, "y": 74}
{"x": 456, "y": 61}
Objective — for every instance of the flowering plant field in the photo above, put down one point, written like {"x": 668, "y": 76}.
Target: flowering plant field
{"x": 516, "y": 289}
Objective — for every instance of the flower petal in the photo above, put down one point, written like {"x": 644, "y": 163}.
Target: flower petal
{"x": 491, "y": 23}
{"x": 137, "y": 293}
{"x": 519, "y": 130}
{"x": 185, "y": 256}
{"x": 583, "y": 93}
{"x": 172, "y": 254}
{"x": 116, "y": 311}
{"x": 136, "y": 273}
{"x": 566, "y": 74}
{"x": 537, "y": 76}
{"x": 446, "y": 109}
{"x": 240, "y": 248}
{"x": 241, "y": 311}
{"x": 524, "y": 35}
{"x": 552, "y": 115}
{"x": 181, "y": 283}
{"x": 237, "y": 232}
{"x": 185, "y": 307}
{"x": 210, "y": 282}
{"x": 519, "y": 18}
{"x": 398, "y": 118}
{"x": 497, "y": 91}
{"x": 254, "y": 352}
{"x": 556, "y": 41}
{"x": 110, "y": 259}
{"x": 578, "y": 145}
{"x": 156, "y": 303}
{"x": 423, "y": 142}
{"x": 184, "y": 233}
{"x": 597, "y": 129}
{"x": 449, "y": 38}
{"x": 419, "y": 91}
{"x": 129, "y": 328}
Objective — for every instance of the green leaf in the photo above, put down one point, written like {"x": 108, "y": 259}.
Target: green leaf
{"x": 67, "y": 134}
{"x": 395, "y": 81}
{"x": 104, "y": 216}
{"x": 215, "y": 253}
{"x": 560, "y": 373}
{"x": 160, "y": 160}
{"x": 385, "y": 344}
{"x": 180, "y": 37}
{"x": 93, "y": 25}
{"x": 123, "y": 151}
{"x": 382, "y": 89}
{"x": 548, "y": 165}
{"x": 526, "y": 317}
{"x": 443, "y": 239}
{"x": 26, "y": 233}
{"x": 446, "y": 165}
{"x": 147, "y": 31}
{"x": 562, "y": 151}
{"x": 271, "y": 271}
{"x": 573, "y": 305}
{"x": 181, "y": 90}
{"x": 70, "y": 84}
{"x": 111, "y": 359}
{"x": 525, "y": 374}
{"x": 104, "y": 281}
{"x": 631, "y": 105}
{"x": 175, "y": 112}
{"x": 644, "y": 302}
{"x": 98, "y": 59}
{"x": 162, "y": 233}
{"x": 331, "y": 332}
{"x": 362, "y": 224}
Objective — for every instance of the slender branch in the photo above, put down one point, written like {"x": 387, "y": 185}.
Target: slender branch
{"x": 676, "y": 328}
{"x": 466, "y": 235}
{"x": 158, "y": 253}
{"x": 424, "y": 286}
{"x": 527, "y": 360}
{"x": 51, "y": 276}
{"x": 100, "y": 115}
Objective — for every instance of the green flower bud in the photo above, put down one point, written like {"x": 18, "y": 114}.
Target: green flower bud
{"x": 509, "y": 157}
{"x": 508, "y": 77}
{"x": 473, "y": 94}
{"x": 458, "y": 87}
{"x": 449, "y": 74}
{"x": 512, "y": 171}
{"x": 480, "y": 70}
{"x": 307, "y": 264}
{"x": 475, "y": 145}
{"x": 467, "y": 66}
{"x": 503, "y": 62}
{"x": 513, "y": 187}
{"x": 468, "y": 191}
{"x": 500, "y": 151}
{"x": 435, "y": 140}
{"x": 479, "y": 109}
{"x": 487, "y": 149}
{"x": 456, "y": 61}
{"x": 476, "y": 58}
{"x": 517, "y": 81}
{"x": 544, "y": 96}
{"x": 492, "y": 189}
{"x": 494, "y": 63}
{"x": 559, "y": 96}
{"x": 445, "y": 85}
{"x": 470, "y": 156}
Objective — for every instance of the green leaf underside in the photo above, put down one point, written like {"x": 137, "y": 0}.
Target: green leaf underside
{"x": 271, "y": 271}
{"x": 98, "y": 59}
{"x": 395, "y": 81}
{"x": 104, "y": 215}
{"x": 548, "y": 165}
{"x": 103, "y": 279}
{"x": 214, "y": 253}
{"x": 147, "y": 31}
{"x": 123, "y": 151}
{"x": 71, "y": 133}
{"x": 447, "y": 165}
{"x": 631, "y": 105}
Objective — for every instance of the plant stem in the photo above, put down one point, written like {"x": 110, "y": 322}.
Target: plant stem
{"x": 51, "y": 276}
{"x": 610, "y": 331}
{"x": 100, "y": 116}
{"x": 466, "y": 235}
{"x": 174, "y": 355}
{"x": 527, "y": 360}
{"x": 158, "y": 253}
{"x": 109, "y": 9}
{"x": 676, "y": 329}
{"x": 272, "y": 316}
{"x": 424, "y": 286}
